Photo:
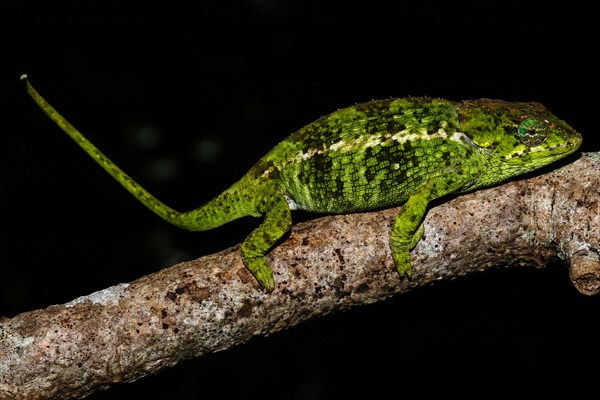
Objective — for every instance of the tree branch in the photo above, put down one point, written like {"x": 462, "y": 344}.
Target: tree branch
{"x": 132, "y": 330}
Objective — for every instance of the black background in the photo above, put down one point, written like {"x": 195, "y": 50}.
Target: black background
{"x": 186, "y": 97}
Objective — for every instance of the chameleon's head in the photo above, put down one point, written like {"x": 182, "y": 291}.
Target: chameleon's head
{"x": 521, "y": 136}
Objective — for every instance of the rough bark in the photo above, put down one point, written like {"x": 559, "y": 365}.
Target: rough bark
{"x": 135, "y": 329}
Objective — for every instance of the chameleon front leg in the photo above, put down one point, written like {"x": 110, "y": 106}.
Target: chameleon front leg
{"x": 408, "y": 229}
{"x": 277, "y": 221}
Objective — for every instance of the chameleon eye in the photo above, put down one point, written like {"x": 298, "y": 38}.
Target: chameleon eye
{"x": 532, "y": 131}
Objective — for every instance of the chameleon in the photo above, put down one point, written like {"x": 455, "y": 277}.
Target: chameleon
{"x": 372, "y": 155}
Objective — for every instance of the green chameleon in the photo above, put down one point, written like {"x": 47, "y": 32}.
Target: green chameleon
{"x": 368, "y": 156}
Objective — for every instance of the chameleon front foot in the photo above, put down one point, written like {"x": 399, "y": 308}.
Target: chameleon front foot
{"x": 401, "y": 251}
{"x": 403, "y": 264}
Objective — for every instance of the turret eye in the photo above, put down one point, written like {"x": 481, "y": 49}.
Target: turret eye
{"x": 532, "y": 131}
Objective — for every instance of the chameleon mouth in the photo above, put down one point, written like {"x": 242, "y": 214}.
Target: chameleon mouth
{"x": 567, "y": 147}
{"x": 554, "y": 152}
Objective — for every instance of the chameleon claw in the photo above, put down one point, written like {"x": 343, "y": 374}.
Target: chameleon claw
{"x": 403, "y": 264}
{"x": 262, "y": 272}
{"x": 406, "y": 274}
{"x": 266, "y": 283}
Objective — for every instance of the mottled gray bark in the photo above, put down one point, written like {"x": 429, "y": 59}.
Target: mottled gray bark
{"x": 329, "y": 264}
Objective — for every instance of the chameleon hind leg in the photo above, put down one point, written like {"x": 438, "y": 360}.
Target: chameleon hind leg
{"x": 408, "y": 229}
{"x": 277, "y": 222}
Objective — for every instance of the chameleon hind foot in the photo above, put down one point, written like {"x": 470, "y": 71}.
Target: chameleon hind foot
{"x": 259, "y": 267}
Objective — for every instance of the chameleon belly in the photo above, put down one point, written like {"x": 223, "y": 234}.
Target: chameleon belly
{"x": 377, "y": 176}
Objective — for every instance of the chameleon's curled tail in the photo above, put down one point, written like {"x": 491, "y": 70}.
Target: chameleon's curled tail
{"x": 211, "y": 215}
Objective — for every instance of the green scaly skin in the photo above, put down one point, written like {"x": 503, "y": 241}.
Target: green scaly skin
{"x": 373, "y": 155}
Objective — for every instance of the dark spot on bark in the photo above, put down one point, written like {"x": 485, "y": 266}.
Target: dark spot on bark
{"x": 197, "y": 294}
{"x": 176, "y": 330}
{"x": 338, "y": 253}
{"x": 362, "y": 288}
{"x": 171, "y": 296}
{"x": 318, "y": 290}
{"x": 301, "y": 296}
{"x": 339, "y": 285}
{"x": 165, "y": 326}
{"x": 305, "y": 241}
{"x": 245, "y": 310}
{"x": 163, "y": 313}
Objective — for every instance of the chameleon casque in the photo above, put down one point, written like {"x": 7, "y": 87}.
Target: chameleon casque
{"x": 368, "y": 156}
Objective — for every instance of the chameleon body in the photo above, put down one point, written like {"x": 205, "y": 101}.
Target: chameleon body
{"x": 373, "y": 155}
